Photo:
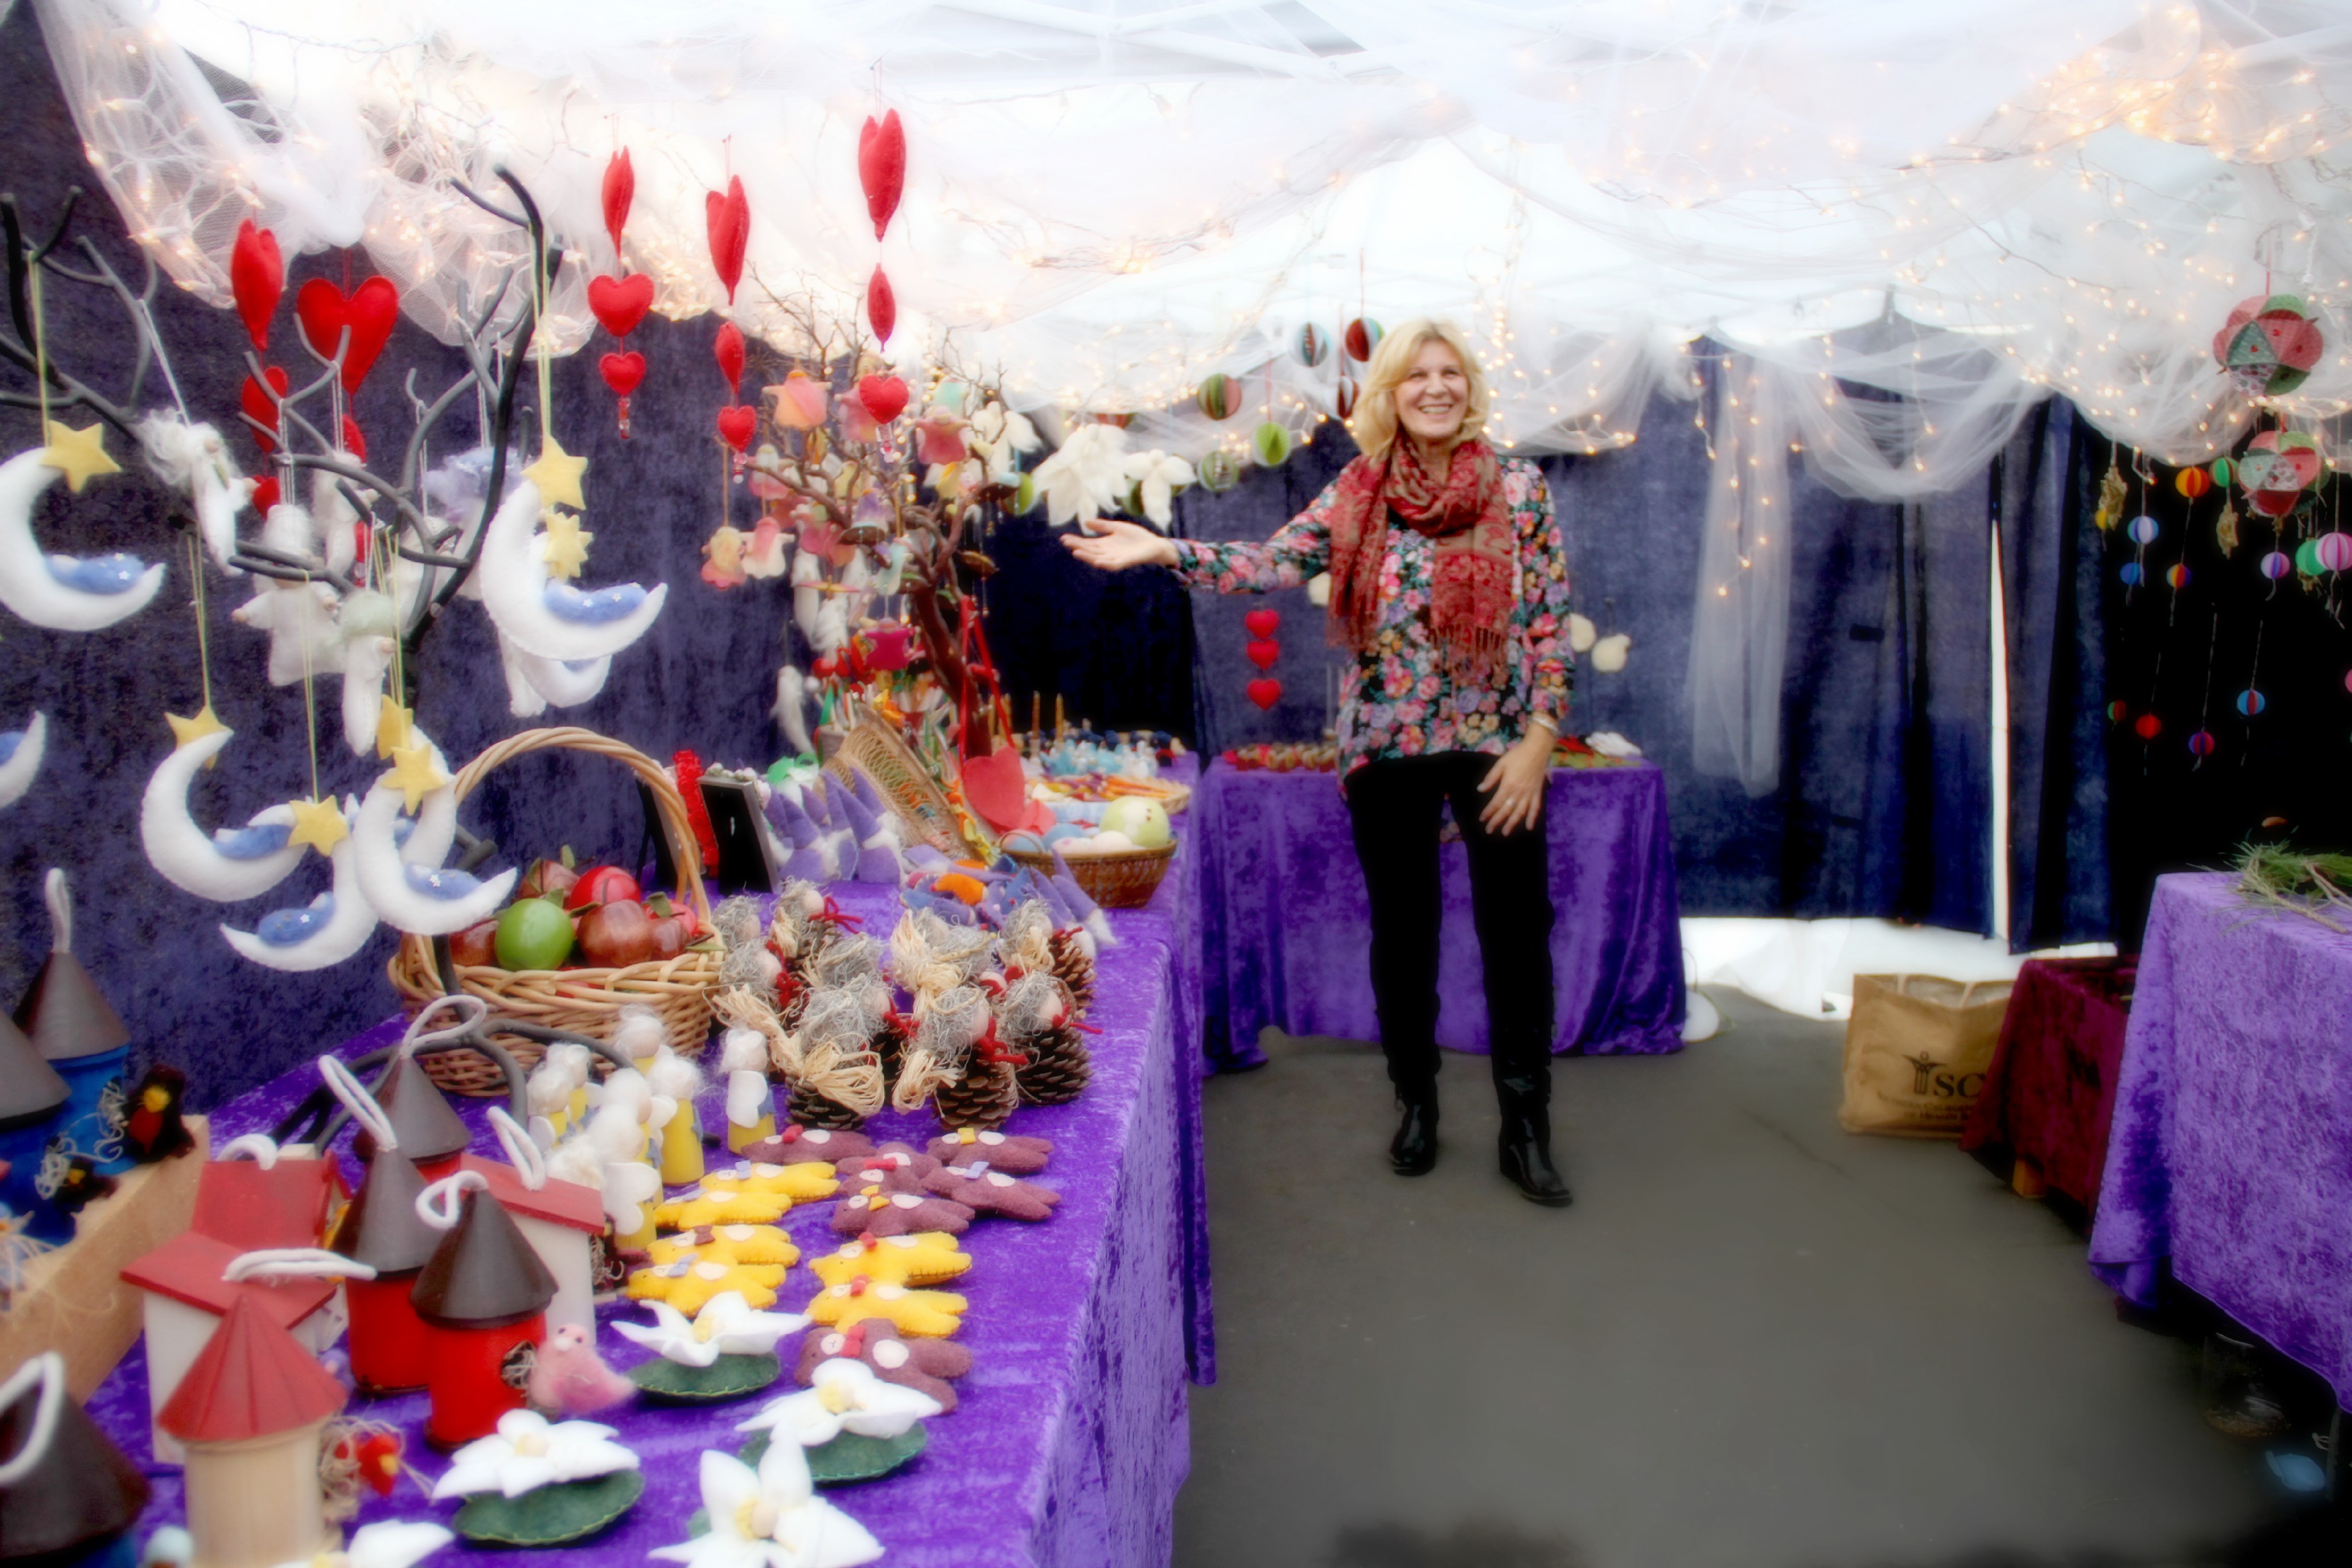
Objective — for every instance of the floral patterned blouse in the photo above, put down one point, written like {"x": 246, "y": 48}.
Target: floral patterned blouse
{"x": 1397, "y": 700}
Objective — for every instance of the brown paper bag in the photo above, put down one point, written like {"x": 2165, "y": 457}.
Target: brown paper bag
{"x": 1916, "y": 1053}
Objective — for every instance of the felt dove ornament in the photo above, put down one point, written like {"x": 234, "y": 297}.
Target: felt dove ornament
{"x": 1157, "y": 477}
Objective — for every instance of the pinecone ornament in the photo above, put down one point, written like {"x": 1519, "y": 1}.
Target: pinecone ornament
{"x": 1059, "y": 1066}
{"x": 983, "y": 1098}
{"x": 1075, "y": 968}
{"x": 810, "y": 1109}
{"x": 890, "y": 1044}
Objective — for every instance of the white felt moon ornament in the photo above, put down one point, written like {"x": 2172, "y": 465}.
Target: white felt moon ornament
{"x": 329, "y": 929}
{"x": 419, "y": 898}
{"x": 234, "y": 864}
{"x": 20, "y": 758}
{"x": 554, "y": 620}
{"x": 63, "y": 592}
{"x": 534, "y": 683}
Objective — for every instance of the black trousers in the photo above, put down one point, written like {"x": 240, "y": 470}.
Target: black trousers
{"x": 1393, "y": 809}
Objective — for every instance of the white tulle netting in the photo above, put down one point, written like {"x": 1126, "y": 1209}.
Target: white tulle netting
{"x": 1966, "y": 203}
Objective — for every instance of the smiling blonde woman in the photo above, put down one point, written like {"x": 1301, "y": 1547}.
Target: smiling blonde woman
{"x": 1450, "y": 587}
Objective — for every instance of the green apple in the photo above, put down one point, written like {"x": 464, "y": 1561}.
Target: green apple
{"x": 1144, "y": 822}
{"x": 534, "y": 933}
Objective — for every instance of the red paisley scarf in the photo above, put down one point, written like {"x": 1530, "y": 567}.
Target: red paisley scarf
{"x": 1472, "y": 586}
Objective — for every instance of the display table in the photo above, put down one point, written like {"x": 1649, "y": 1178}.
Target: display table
{"x": 2230, "y": 1154}
{"x": 1071, "y": 1438}
{"x": 1283, "y": 928}
{"x": 2051, "y": 1089}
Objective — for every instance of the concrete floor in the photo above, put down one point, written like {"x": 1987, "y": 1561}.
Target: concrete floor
{"x": 1755, "y": 1342}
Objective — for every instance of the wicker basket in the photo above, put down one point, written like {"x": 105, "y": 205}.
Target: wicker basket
{"x": 1121, "y": 880}
{"x": 585, "y": 1000}
{"x": 875, "y": 749}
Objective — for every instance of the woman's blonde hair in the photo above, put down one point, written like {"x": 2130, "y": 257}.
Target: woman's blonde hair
{"x": 1374, "y": 424}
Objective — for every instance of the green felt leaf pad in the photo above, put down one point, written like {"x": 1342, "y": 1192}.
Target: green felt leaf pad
{"x": 550, "y": 1516}
{"x": 728, "y": 1377}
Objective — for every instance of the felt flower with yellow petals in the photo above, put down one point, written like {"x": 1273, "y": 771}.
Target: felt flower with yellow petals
{"x": 921, "y": 1314}
{"x": 689, "y": 1284}
{"x": 803, "y": 1182}
{"x": 931, "y": 1257}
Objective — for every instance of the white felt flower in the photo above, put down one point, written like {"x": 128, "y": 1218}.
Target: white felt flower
{"x": 770, "y": 1518}
{"x": 394, "y": 1543}
{"x": 527, "y": 1452}
{"x": 1087, "y": 477}
{"x": 727, "y": 1325}
{"x": 1157, "y": 476}
{"x": 846, "y": 1397}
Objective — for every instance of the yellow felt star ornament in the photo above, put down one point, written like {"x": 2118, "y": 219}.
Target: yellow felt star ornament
{"x": 391, "y": 728}
{"x": 414, "y": 775}
{"x": 185, "y": 731}
{"x": 80, "y": 454}
{"x": 557, "y": 474}
{"x": 318, "y": 823}
{"x": 566, "y": 548}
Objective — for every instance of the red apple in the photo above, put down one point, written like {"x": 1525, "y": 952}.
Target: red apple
{"x": 547, "y": 877}
{"x": 615, "y": 934}
{"x": 477, "y": 944}
{"x": 602, "y": 885}
{"x": 674, "y": 926}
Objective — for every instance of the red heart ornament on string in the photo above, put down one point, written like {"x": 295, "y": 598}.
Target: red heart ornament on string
{"x": 881, "y": 306}
{"x": 369, "y": 312}
{"x": 264, "y": 494}
{"x": 727, "y": 348}
{"x": 258, "y": 404}
{"x": 1266, "y": 691}
{"x": 256, "y": 277}
{"x": 736, "y": 425}
{"x": 619, "y": 303}
{"x": 1263, "y": 654}
{"x": 1262, "y": 623}
{"x": 728, "y": 220}
{"x": 620, "y": 191}
{"x": 355, "y": 439}
{"x": 882, "y": 167}
{"x": 622, "y": 372}
{"x": 994, "y": 787}
{"x": 884, "y": 396}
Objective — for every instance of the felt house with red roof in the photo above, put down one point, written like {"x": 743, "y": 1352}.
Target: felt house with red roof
{"x": 249, "y": 1414}
{"x": 250, "y": 1205}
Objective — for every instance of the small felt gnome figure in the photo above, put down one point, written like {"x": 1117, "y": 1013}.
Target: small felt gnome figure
{"x": 750, "y": 1101}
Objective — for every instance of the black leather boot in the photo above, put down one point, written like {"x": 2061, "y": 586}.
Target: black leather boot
{"x": 1525, "y": 1143}
{"x": 1413, "y": 1150}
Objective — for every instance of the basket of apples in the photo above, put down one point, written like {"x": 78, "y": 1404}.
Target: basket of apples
{"x": 577, "y": 945}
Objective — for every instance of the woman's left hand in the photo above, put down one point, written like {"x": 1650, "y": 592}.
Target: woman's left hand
{"x": 1515, "y": 784}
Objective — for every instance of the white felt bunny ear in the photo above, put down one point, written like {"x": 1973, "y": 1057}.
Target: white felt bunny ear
{"x": 1609, "y": 653}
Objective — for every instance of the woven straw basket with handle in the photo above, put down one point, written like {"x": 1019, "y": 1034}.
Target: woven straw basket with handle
{"x": 586, "y": 1001}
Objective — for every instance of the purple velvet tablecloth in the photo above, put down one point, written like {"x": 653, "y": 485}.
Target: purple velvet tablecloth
{"x": 1283, "y": 928}
{"x": 2229, "y": 1157}
{"x": 1070, "y": 1441}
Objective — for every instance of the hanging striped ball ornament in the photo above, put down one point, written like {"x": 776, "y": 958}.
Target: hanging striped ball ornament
{"x": 2147, "y": 726}
{"x": 2275, "y": 566}
{"x": 1219, "y": 471}
{"x": 1220, "y": 396}
{"x": 2202, "y": 744}
{"x": 1314, "y": 345}
{"x": 1362, "y": 334}
{"x": 2178, "y": 576}
{"x": 2131, "y": 573}
{"x": 1024, "y": 494}
{"x": 2220, "y": 469}
{"x": 2334, "y": 551}
{"x": 2192, "y": 482}
{"x": 2306, "y": 558}
{"x": 2250, "y": 702}
{"x": 2144, "y": 529}
{"x": 1343, "y": 397}
{"x": 1271, "y": 443}
{"x": 2118, "y": 710}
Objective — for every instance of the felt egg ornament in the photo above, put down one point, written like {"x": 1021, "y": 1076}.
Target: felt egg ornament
{"x": 1361, "y": 337}
{"x": 2269, "y": 344}
{"x": 2277, "y": 468}
{"x": 1143, "y": 822}
{"x": 1219, "y": 397}
{"x": 1314, "y": 345}
{"x": 1270, "y": 443}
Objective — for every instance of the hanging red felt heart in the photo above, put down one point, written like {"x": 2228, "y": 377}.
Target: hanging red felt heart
{"x": 259, "y": 406}
{"x": 736, "y": 425}
{"x": 622, "y": 372}
{"x": 354, "y": 440}
{"x": 264, "y": 494}
{"x": 1263, "y": 654}
{"x": 882, "y": 167}
{"x": 620, "y": 190}
{"x": 728, "y": 219}
{"x": 884, "y": 396}
{"x": 619, "y": 303}
{"x": 1266, "y": 691}
{"x": 994, "y": 787}
{"x": 369, "y": 312}
{"x": 881, "y": 306}
{"x": 256, "y": 276}
{"x": 1262, "y": 623}
{"x": 729, "y": 351}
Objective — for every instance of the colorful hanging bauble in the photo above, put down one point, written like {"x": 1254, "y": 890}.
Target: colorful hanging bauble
{"x": 1362, "y": 335}
{"x": 2192, "y": 482}
{"x": 1219, "y": 471}
{"x": 2118, "y": 710}
{"x": 2202, "y": 744}
{"x": 2144, "y": 529}
{"x": 1220, "y": 396}
{"x": 2133, "y": 574}
{"x": 1343, "y": 397}
{"x": 881, "y": 307}
{"x": 2250, "y": 702}
{"x": 2269, "y": 344}
{"x": 2147, "y": 726}
{"x": 2176, "y": 576}
{"x": 2275, "y": 565}
{"x": 882, "y": 167}
{"x": 622, "y": 372}
{"x": 726, "y": 348}
{"x": 620, "y": 191}
{"x": 727, "y": 220}
{"x": 256, "y": 277}
{"x": 1314, "y": 345}
{"x": 1270, "y": 443}
{"x": 2306, "y": 558}
{"x": 619, "y": 303}
{"x": 2220, "y": 469}
{"x": 2277, "y": 466}
{"x": 368, "y": 313}
{"x": 2334, "y": 551}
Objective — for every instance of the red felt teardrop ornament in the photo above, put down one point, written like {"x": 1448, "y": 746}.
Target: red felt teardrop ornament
{"x": 622, "y": 372}
{"x": 884, "y": 396}
{"x": 728, "y": 349}
{"x": 355, "y": 439}
{"x": 258, "y": 404}
{"x": 368, "y": 312}
{"x": 881, "y": 306}
{"x": 620, "y": 191}
{"x": 619, "y": 303}
{"x": 1266, "y": 691}
{"x": 882, "y": 167}
{"x": 728, "y": 220}
{"x": 1262, "y": 623}
{"x": 1263, "y": 654}
{"x": 737, "y": 424}
{"x": 264, "y": 494}
{"x": 256, "y": 277}
{"x": 994, "y": 786}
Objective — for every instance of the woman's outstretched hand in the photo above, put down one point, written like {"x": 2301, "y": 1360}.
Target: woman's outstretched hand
{"x": 1121, "y": 544}
{"x": 1515, "y": 784}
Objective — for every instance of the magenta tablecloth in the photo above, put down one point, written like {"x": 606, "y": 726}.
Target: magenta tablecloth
{"x": 1071, "y": 1438}
{"x": 1284, "y": 928}
{"x": 2229, "y": 1157}
{"x": 2049, "y": 1093}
